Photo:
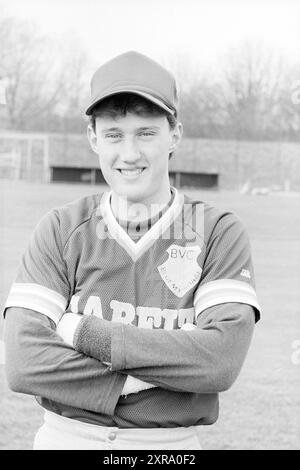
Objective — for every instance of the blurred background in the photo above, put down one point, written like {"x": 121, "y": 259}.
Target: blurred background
{"x": 237, "y": 66}
{"x": 238, "y": 71}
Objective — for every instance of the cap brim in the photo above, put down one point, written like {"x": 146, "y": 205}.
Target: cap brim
{"x": 149, "y": 97}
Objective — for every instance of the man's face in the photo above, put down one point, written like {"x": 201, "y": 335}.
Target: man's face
{"x": 134, "y": 154}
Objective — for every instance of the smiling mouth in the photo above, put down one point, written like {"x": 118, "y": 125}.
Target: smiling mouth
{"x": 135, "y": 172}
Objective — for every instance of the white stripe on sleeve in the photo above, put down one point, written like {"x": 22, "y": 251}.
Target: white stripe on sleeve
{"x": 38, "y": 298}
{"x": 223, "y": 291}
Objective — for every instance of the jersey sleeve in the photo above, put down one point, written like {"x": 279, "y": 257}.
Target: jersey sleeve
{"x": 42, "y": 283}
{"x": 227, "y": 274}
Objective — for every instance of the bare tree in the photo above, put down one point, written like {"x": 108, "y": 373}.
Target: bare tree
{"x": 185, "y": 69}
{"x": 28, "y": 62}
{"x": 201, "y": 111}
{"x": 76, "y": 71}
{"x": 239, "y": 100}
{"x": 289, "y": 105}
{"x": 252, "y": 80}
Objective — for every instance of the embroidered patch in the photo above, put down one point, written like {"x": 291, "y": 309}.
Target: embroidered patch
{"x": 181, "y": 271}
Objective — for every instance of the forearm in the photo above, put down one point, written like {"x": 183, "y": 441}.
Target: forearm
{"x": 204, "y": 360}
{"x": 39, "y": 363}
{"x": 67, "y": 328}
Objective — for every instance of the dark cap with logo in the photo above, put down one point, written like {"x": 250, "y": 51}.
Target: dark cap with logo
{"x": 136, "y": 73}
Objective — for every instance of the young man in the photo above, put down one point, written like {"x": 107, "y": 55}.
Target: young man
{"x": 134, "y": 308}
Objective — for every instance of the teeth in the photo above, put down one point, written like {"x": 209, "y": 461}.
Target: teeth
{"x": 137, "y": 171}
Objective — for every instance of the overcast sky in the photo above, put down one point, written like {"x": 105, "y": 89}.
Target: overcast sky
{"x": 201, "y": 29}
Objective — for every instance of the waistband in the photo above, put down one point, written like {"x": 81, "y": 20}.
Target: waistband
{"x": 137, "y": 437}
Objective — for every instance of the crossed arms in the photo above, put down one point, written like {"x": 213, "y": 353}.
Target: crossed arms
{"x": 206, "y": 359}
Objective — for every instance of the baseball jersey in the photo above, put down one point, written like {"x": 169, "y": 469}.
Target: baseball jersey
{"x": 80, "y": 259}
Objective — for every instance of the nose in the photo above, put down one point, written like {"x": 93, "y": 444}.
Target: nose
{"x": 129, "y": 152}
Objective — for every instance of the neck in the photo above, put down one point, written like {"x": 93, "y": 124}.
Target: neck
{"x": 132, "y": 211}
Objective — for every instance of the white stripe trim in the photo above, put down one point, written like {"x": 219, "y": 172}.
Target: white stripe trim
{"x": 224, "y": 291}
{"x": 50, "y": 295}
{"x": 33, "y": 306}
{"x": 38, "y": 298}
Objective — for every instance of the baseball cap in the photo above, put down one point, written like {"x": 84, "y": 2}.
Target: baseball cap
{"x": 136, "y": 73}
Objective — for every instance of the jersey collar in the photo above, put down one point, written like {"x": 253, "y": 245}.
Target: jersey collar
{"x": 136, "y": 249}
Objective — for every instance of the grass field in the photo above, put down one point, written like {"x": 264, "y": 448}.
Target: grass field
{"x": 261, "y": 410}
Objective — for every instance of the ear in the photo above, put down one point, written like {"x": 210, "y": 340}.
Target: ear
{"x": 92, "y": 138}
{"x": 176, "y": 136}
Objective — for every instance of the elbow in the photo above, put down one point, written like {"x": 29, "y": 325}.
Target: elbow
{"x": 224, "y": 380}
{"x": 216, "y": 380}
{"x": 14, "y": 382}
{"x": 224, "y": 385}
{"x": 14, "y": 376}
{"x": 14, "y": 368}
{"x": 15, "y": 358}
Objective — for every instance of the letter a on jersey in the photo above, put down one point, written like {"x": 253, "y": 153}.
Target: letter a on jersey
{"x": 181, "y": 271}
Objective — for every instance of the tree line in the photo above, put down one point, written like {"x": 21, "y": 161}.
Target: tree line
{"x": 249, "y": 95}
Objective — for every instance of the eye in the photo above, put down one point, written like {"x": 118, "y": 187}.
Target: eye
{"x": 113, "y": 136}
{"x": 146, "y": 134}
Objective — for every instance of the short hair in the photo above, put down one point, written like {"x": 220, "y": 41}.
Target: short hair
{"x": 122, "y": 103}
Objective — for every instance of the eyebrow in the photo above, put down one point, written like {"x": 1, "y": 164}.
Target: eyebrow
{"x": 147, "y": 128}
{"x": 111, "y": 129}
{"x": 118, "y": 129}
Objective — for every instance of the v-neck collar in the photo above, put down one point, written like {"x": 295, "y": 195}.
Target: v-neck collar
{"x": 136, "y": 249}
